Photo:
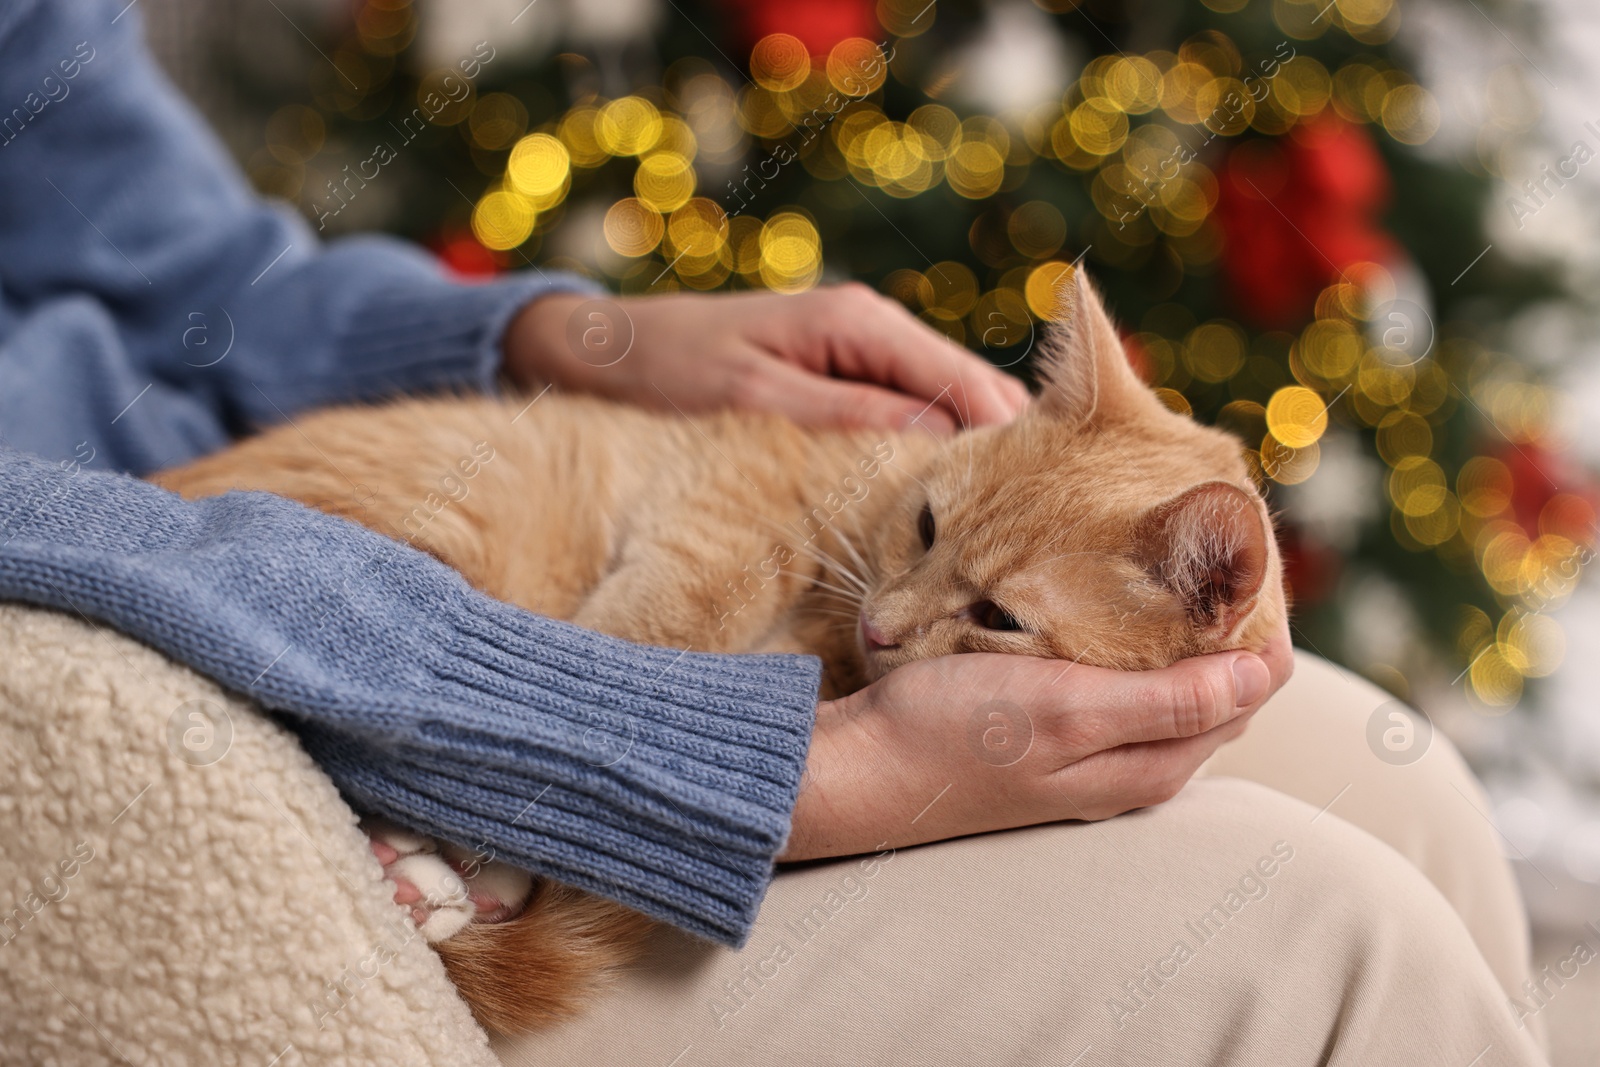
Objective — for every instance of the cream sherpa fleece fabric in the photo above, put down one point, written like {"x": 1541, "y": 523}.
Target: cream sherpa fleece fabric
{"x": 180, "y": 885}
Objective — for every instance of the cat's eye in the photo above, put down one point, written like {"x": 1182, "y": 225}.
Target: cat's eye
{"x": 925, "y": 527}
{"x": 992, "y": 616}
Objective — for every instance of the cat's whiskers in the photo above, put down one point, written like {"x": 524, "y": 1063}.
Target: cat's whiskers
{"x": 839, "y": 569}
{"x": 817, "y": 554}
{"x": 849, "y": 546}
{"x": 851, "y": 593}
{"x": 812, "y": 610}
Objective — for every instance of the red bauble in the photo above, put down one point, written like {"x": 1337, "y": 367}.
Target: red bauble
{"x": 1296, "y": 212}
{"x": 1550, "y": 493}
{"x": 819, "y": 24}
{"x": 461, "y": 252}
{"x": 1310, "y": 568}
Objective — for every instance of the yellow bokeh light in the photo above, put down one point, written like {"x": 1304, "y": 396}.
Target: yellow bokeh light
{"x": 676, "y": 137}
{"x": 1180, "y": 89}
{"x": 895, "y": 154}
{"x": 1214, "y": 352}
{"x": 907, "y": 18}
{"x": 1475, "y": 631}
{"x": 577, "y": 132}
{"x": 791, "y": 253}
{"x": 1417, "y": 486}
{"x": 1364, "y": 12}
{"x": 1495, "y": 681}
{"x": 955, "y": 287}
{"x": 1383, "y": 381}
{"x": 1502, "y": 552}
{"x": 632, "y": 228}
{"x": 538, "y": 168}
{"x": 940, "y": 127}
{"x": 856, "y": 67}
{"x": 665, "y": 181}
{"x": 1402, "y": 434}
{"x": 1296, "y": 416}
{"x": 1184, "y": 202}
{"x": 1302, "y": 87}
{"x": 1435, "y": 527}
{"x": 850, "y": 132}
{"x": 987, "y": 130}
{"x": 1098, "y": 126}
{"x": 1133, "y": 84}
{"x": 760, "y": 114}
{"x": 697, "y": 241}
{"x": 1286, "y": 465}
{"x": 1410, "y": 114}
{"x": 1520, "y": 410}
{"x": 1330, "y": 348}
{"x": 975, "y": 170}
{"x": 744, "y": 244}
{"x": 498, "y": 120}
{"x": 1000, "y": 319}
{"x": 699, "y": 229}
{"x": 1532, "y": 643}
{"x": 628, "y": 126}
{"x": 779, "y": 62}
{"x": 1225, "y": 106}
{"x": 1485, "y": 485}
{"x": 1174, "y": 401}
{"x": 1037, "y": 229}
{"x": 1046, "y": 292}
{"x": 911, "y": 287}
{"x": 502, "y": 220}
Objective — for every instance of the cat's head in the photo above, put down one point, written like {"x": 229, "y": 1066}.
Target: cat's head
{"x": 1099, "y": 526}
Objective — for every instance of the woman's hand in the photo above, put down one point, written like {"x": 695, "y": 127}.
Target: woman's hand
{"x": 967, "y": 744}
{"x": 843, "y": 356}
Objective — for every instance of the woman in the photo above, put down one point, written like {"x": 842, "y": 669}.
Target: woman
{"x": 154, "y": 308}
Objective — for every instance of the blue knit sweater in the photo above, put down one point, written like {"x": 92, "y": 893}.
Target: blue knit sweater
{"x": 151, "y": 308}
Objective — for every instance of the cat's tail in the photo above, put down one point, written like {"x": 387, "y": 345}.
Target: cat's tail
{"x": 543, "y": 965}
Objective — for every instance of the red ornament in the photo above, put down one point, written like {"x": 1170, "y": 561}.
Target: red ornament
{"x": 1310, "y": 568}
{"x": 1550, "y": 493}
{"x": 819, "y": 24}
{"x": 465, "y": 257}
{"x": 1296, "y": 212}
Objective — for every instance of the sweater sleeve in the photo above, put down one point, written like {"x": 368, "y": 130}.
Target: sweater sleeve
{"x": 660, "y": 778}
{"x": 153, "y": 306}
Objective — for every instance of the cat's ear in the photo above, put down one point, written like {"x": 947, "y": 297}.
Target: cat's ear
{"x": 1083, "y": 367}
{"x": 1209, "y": 545}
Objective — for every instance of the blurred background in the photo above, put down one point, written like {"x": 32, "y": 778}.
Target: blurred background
{"x": 1361, "y": 234}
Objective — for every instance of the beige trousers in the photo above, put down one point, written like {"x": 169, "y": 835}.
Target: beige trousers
{"x": 1303, "y": 902}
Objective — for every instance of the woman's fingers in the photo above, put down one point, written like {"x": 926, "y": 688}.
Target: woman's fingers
{"x": 869, "y": 337}
{"x": 813, "y": 400}
{"x": 1121, "y": 779}
{"x": 1104, "y": 709}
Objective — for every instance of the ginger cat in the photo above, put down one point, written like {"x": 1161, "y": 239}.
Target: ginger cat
{"x": 1099, "y": 526}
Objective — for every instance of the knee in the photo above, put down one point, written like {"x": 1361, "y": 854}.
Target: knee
{"x": 1339, "y": 894}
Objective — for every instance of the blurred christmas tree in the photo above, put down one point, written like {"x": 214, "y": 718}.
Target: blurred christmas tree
{"x": 1250, "y": 180}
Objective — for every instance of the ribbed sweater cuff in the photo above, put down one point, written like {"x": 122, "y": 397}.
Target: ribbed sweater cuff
{"x": 421, "y": 339}
{"x": 661, "y": 778}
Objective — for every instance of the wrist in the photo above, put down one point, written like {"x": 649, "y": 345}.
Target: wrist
{"x": 536, "y": 349}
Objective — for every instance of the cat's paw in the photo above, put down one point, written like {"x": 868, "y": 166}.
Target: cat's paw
{"x": 444, "y": 888}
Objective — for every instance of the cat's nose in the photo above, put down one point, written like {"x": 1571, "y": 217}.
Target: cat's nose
{"x": 872, "y": 636}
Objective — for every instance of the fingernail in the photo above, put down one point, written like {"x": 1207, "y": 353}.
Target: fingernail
{"x": 1250, "y": 680}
